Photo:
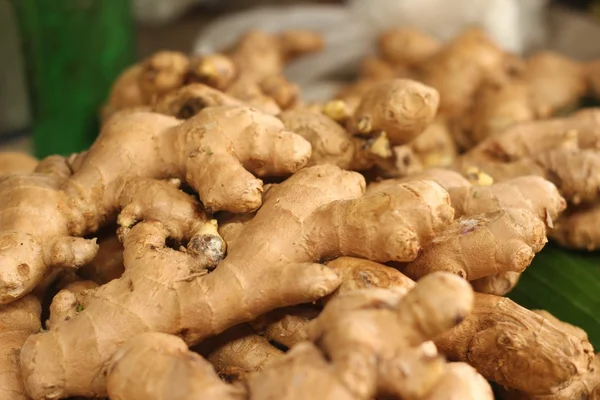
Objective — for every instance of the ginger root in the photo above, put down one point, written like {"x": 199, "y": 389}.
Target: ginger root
{"x": 12, "y": 162}
{"x": 197, "y": 304}
{"x": 18, "y": 320}
{"x": 401, "y": 366}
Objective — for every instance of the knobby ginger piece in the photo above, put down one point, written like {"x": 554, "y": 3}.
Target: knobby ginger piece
{"x": 477, "y": 246}
{"x": 578, "y": 228}
{"x": 407, "y": 46}
{"x": 556, "y": 82}
{"x": 517, "y": 348}
{"x": 286, "y": 326}
{"x": 401, "y": 108}
{"x": 17, "y": 321}
{"x": 239, "y": 351}
{"x": 170, "y": 371}
{"x": 48, "y": 215}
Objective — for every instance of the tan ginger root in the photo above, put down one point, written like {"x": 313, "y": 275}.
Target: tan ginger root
{"x": 477, "y": 246}
{"x": 556, "y": 82}
{"x": 152, "y": 146}
{"x": 12, "y": 162}
{"x": 17, "y": 321}
{"x": 396, "y": 366}
{"x": 388, "y": 360}
{"x": 500, "y": 228}
{"x": 461, "y": 67}
{"x": 517, "y": 348}
{"x": 172, "y": 372}
{"x": 239, "y": 351}
{"x": 286, "y": 326}
{"x": 196, "y": 305}
{"x": 578, "y": 228}
{"x": 401, "y": 108}
{"x": 407, "y": 46}
{"x": 562, "y": 150}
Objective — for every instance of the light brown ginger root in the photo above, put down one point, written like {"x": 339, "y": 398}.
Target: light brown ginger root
{"x": 401, "y": 108}
{"x": 238, "y": 351}
{"x": 331, "y": 143}
{"x": 477, "y": 246}
{"x": 398, "y": 366}
{"x": 196, "y": 305}
{"x": 146, "y": 81}
{"x": 171, "y": 372}
{"x": 531, "y": 193}
{"x": 407, "y": 47}
{"x": 286, "y": 326}
{"x": 586, "y": 386}
{"x": 374, "y": 337}
{"x": 228, "y": 144}
{"x": 559, "y": 150}
{"x": 517, "y": 348}
{"x": 538, "y": 342}
{"x": 17, "y": 321}
{"x": 12, "y": 162}
{"x": 461, "y": 67}
{"x": 555, "y": 81}
{"x": 578, "y": 228}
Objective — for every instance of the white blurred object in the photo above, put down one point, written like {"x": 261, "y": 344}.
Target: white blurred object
{"x": 162, "y": 11}
{"x": 350, "y": 30}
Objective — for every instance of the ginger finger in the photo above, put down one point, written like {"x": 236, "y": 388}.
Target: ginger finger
{"x": 407, "y": 46}
{"x": 556, "y": 82}
{"x": 172, "y": 372}
{"x": 481, "y": 245}
{"x": 577, "y": 228}
{"x": 498, "y": 284}
{"x": 286, "y": 326}
{"x": 531, "y": 193}
{"x": 401, "y": 108}
{"x": 515, "y": 347}
{"x": 215, "y": 70}
{"x": 238, "y": 352}
{"x": 17, "y": 321}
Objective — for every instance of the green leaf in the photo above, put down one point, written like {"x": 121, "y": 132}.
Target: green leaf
{"x": 565, "y": 283}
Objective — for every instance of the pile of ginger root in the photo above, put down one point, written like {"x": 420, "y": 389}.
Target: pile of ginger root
{"x": 222, "y": 238}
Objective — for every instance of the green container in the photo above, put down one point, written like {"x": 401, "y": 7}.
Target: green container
{"x": 74, "y": 49}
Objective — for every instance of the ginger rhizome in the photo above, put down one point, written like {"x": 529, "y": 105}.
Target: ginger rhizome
{"x": 228, "y": 143}
{"x": 404, "y": 364}
{"x": 252, "y": 72}
{"x": 18, "y": 320}
{"x": 325, "y": 215}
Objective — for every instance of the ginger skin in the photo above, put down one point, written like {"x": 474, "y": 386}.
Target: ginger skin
{"x": 152, "y": 146}
{"x": 196, "y": 304}
{"x": 17, "y": 321}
